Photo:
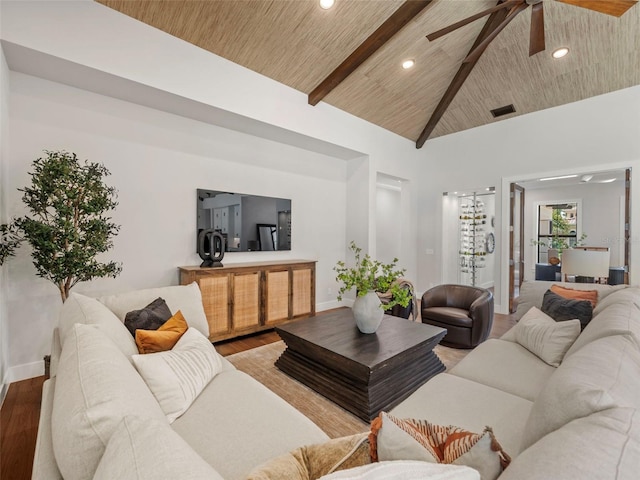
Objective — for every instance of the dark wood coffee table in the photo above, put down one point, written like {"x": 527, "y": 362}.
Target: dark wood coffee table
{"x": 363, "y": 373}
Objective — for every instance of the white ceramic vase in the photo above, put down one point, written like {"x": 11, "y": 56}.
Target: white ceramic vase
{"x": 367, "y": 312}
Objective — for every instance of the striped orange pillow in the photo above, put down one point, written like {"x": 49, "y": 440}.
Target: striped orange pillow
{"x": 394, "y": 438}
{"x": 573, "y": 294}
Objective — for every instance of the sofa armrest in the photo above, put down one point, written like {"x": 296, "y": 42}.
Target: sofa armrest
{"x": 56, "y": 350}
{"x": 44, "y": 462}
{"x": 481, "y": 310}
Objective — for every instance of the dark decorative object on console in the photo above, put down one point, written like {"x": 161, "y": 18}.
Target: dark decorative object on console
{"x": 212, "y": 256}
{"x": 466, "y": 312}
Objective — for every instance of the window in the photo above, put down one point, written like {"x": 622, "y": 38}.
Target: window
{"x": 557, "y": 228}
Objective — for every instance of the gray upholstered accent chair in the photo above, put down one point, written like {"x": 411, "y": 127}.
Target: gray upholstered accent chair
{"x": 466, "y": 312}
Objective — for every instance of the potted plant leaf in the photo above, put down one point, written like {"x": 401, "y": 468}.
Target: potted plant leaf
{"x": 67, "y": 225}
{"x": 370, "y": 277}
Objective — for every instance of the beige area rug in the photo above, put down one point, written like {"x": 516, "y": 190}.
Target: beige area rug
{"x": 333, "y": 419}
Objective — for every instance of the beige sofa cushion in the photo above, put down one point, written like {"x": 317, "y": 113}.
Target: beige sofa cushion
{"x": 601, "y": 446}
{"x": 629, "y": 294}
{"x": 186, "y": 298}
{"x": 452, "y": 400}
{"x": 96, "y": 387}
{"x": 617, "y": 319}
{"x": 89, "y": 311}
{"x": 237, "y": 423}
{"x": 601, "y": 375}
{"x": 524, "y": 374}
{"x": 148, "y": 450}
{"x": 532, "y": 293}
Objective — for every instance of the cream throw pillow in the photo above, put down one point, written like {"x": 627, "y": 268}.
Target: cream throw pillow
{"x": 176, "y": 377}
{"x": 96, "y": 387}
{"x": 405, "y": 470}
{"x": 544, "y": 337}
{"x": 89, "y": 311}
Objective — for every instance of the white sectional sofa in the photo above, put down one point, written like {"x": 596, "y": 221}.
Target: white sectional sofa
{"x": 579, "y": 420}
{"x": 100, "y": 420}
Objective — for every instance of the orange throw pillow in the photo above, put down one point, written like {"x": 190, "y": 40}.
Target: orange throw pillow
{"x": 164, "y": 338}
{"x": 573, "y": 294}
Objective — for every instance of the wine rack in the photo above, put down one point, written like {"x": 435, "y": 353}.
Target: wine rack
{"x": 473, "y": 227}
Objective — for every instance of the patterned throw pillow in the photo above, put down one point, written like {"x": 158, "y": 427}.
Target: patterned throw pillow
{"x": 560, "y": 308}
{"x": 164, "y": 338}
{"x": 393, "y": 438}
{"x": 150, "y": 317}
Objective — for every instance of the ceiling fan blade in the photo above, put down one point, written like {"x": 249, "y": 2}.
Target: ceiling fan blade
{"x": 611, "y": 7}
{"x": 454, "y": 26}
{"x": 536, "y": 39}
{"x": 479, "y": 50}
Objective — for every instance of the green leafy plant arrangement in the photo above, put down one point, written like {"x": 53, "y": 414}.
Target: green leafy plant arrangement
{"x": 67, "y": 227}
{"x": 372, "y": 275}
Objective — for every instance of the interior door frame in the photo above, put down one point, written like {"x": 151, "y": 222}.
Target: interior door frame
{"x": 513, "y": 188}
{"x": 503, "y": 291}
{"x": 627, "y": 224}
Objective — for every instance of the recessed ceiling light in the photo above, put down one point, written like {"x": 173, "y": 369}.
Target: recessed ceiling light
{"x": 560, "y": 52}
{"x": 326, "y": 4}
{"x": 408, "y": 63}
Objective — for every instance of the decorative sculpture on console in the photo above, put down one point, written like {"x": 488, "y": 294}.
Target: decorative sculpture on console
{"x": 212, "y": 257}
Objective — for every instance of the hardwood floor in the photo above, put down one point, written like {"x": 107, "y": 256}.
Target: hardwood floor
{"x": 18, "y": 428}
{"x": 21, "y": 408}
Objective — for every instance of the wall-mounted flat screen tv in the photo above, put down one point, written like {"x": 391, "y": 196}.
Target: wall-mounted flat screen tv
{"x": 247, "y": 222}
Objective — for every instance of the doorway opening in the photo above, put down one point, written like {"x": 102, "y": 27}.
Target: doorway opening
{"x": 469, "y": 237}
{"x": 589, "y": 210}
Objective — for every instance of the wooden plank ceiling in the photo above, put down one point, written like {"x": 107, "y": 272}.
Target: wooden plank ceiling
{"x": 297, "y": 43}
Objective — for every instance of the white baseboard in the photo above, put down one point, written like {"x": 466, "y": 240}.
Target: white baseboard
{"x": 24, "y": 371}
{"x": 320, "y": 307}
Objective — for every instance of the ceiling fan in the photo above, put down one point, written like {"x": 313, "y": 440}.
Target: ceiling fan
{"x": 536, "y": 37}
{"x": 500, "y": 16}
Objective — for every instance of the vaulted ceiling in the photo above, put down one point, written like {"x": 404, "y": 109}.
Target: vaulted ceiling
{"x": 299, "y": 44}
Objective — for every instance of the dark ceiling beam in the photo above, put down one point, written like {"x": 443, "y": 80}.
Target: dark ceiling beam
{"x": 494, "y": 20}
{"x": 403, "y": 15}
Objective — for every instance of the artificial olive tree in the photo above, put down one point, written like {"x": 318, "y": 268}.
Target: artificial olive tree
{"x": 67, "y": 226}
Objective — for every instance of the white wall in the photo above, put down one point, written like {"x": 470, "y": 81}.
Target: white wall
{"x": 157, "y": 159}
{"x": 599, "y": 218}
{"x": 600, "y": 133}
{"x": 4, "y": 137}
{"x": 388, "y": 214}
